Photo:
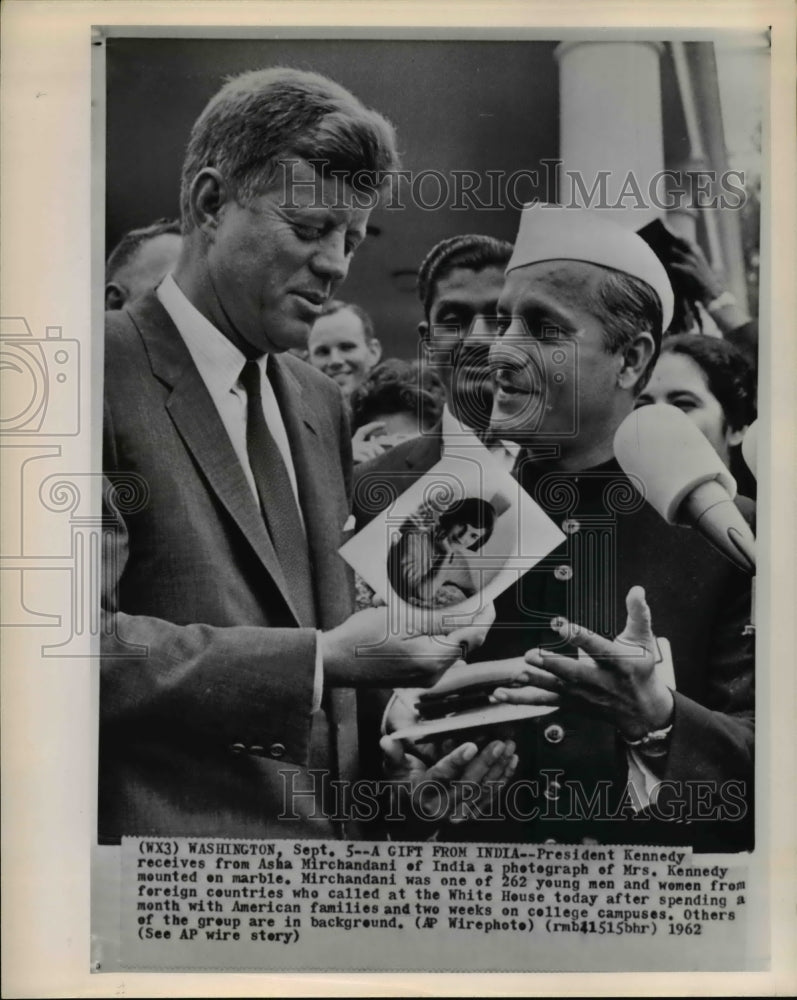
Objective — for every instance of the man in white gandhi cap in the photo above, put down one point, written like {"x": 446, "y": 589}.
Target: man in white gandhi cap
{"x": 630, "y": 754}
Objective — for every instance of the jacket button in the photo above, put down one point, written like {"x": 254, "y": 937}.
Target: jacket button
{"x": 563, "y": 573}
{"x": 237, "y": 748}
{"x": 549, "y": 840}
{"x": 570, "y": 526}
{"x": 554, "y": 734}
{"x": 277, "y": 751}
{"x": 257, "y": 751}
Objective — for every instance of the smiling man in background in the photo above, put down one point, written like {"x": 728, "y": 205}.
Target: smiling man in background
{"x": 459, "y": 283}
{"x": 342, "y": 345}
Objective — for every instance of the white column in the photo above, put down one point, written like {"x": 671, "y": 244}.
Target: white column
{"x": 610, "y": 124}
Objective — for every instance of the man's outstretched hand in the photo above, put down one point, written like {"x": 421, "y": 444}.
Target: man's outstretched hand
{"x": 616, "y": 677}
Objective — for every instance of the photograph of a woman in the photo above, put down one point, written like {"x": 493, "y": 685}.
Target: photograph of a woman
{"x": 430, "y": 564}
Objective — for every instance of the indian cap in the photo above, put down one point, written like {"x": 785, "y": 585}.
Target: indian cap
{"x": 555, "y": 232}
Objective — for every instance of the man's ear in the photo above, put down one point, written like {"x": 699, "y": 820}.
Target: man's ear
{"x": 208, "y": 195}
{"x": 115, "y": 296}
{"x": 375, "y": 349}
{"x": 636, "y": 358}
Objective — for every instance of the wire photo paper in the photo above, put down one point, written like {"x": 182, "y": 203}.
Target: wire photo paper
{"x": 240, "y": 698}
{"x": 370, "y": 614}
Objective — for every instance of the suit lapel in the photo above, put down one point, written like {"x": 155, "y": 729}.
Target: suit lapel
{"x": 318, "y": 477}
{"x": 199, "y": 425}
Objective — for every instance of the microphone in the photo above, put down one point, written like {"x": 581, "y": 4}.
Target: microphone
{"x": 684, "y": 479}
{"x": 750, "y": 448}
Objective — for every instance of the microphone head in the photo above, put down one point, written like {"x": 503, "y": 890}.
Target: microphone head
{"x": 750, "y": 448}
{"x": 660, "y": 448}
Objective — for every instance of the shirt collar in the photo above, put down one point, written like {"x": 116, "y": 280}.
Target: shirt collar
{"x": 217, "y": 359}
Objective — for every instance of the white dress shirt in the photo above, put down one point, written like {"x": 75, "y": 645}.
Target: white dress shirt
{"x": 219, "y": 363}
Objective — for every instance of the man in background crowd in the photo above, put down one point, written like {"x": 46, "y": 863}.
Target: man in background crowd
{"x": 342, "y": 344}
{"x": 459, "y": 283}
{"x": 140, "y": 260}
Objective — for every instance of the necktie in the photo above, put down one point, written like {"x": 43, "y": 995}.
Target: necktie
{"x": 277, "y": 499}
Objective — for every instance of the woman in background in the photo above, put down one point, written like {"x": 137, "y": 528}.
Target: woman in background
{"x": 714, "y": 385}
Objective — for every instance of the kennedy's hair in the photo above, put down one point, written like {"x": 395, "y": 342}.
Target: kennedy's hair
{"x": 337, "y": 305}
{"x": 128, "y": 246}
{"x": 471, "y": 251}
{"x": 261, "y": 116}
{"x": 729, "y": 374}
{"x": 627, "y": 306}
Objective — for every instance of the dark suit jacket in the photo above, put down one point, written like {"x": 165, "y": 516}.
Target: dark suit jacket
{"x": 699, "y": 601}
{"x": 207, "y": 674}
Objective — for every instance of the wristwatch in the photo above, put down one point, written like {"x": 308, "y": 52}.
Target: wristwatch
{"x": 653, "y": 744}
